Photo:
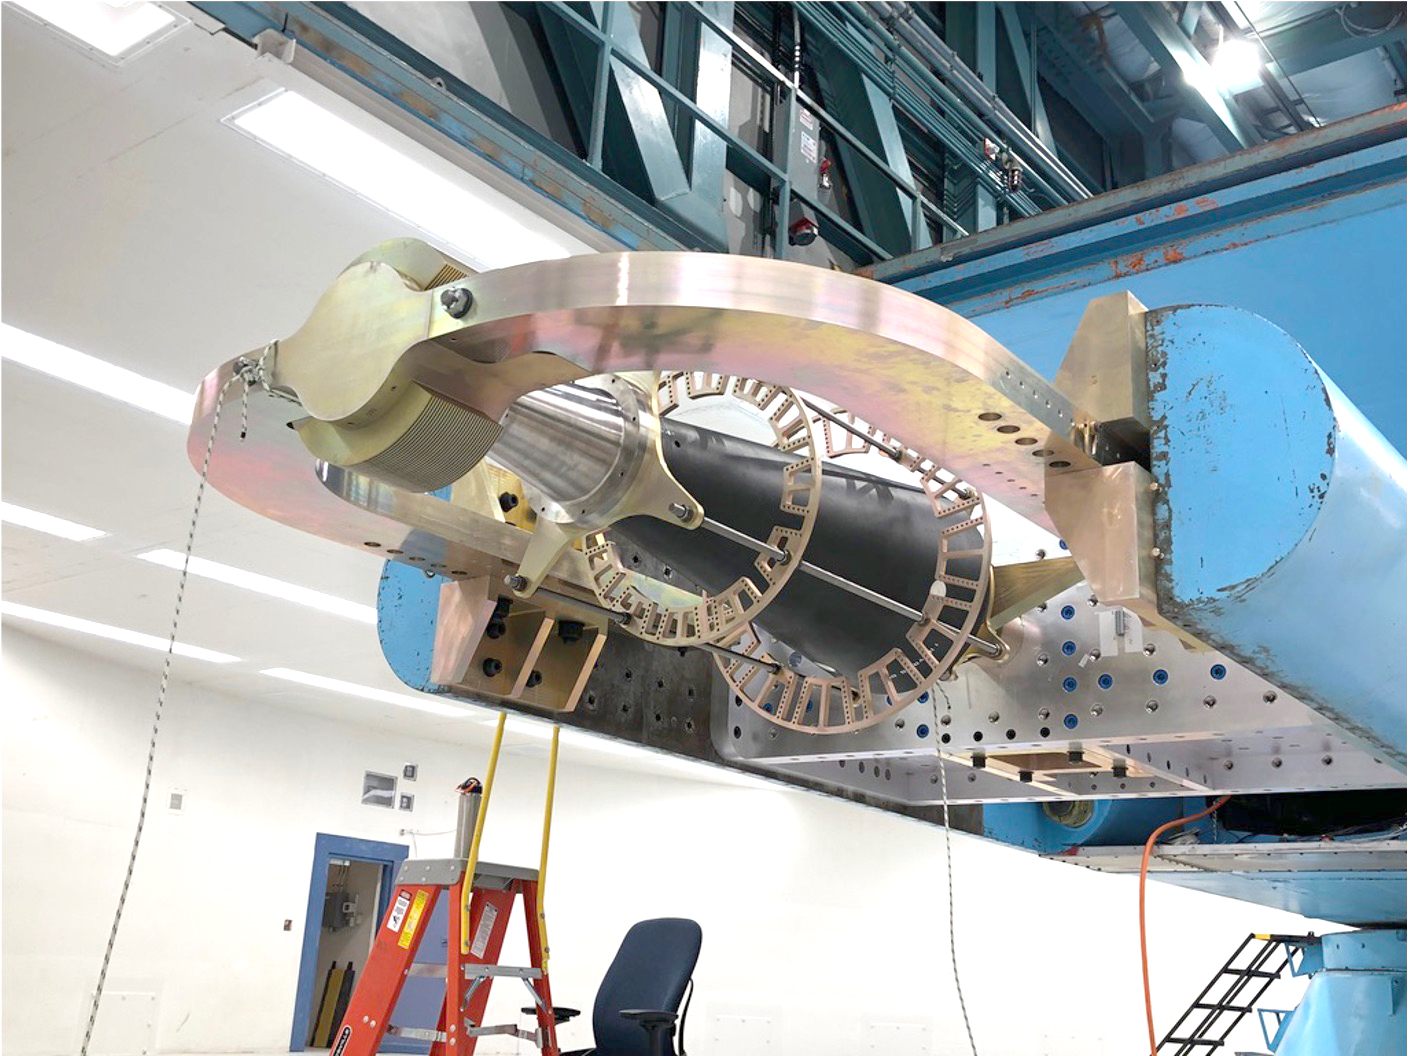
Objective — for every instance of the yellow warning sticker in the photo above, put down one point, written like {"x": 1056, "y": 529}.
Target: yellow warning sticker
{"x": 413, "y": 920}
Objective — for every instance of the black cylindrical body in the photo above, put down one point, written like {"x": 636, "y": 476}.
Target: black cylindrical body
{"x": 876, "y": 533}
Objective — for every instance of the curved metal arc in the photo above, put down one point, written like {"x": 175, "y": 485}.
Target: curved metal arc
{"x": 915, "y": 369}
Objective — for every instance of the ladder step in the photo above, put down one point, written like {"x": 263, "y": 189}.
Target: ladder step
{"x": 484, "y": 971}
{"x": 1190, "y": 1041}
{"x": 1241, "y": 1009}
{"x": 1242, "y": 973}
{"x": 418, "y": 1033}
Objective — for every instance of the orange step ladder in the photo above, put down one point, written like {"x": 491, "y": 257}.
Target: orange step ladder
{"x": 482, "y": 896}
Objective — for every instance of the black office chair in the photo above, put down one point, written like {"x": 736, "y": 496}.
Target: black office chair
{"x": 635, "y": 1008}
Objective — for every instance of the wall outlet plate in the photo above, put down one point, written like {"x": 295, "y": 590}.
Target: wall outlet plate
{"x": 410, "y": 771}
{"x": 408, "y": 802}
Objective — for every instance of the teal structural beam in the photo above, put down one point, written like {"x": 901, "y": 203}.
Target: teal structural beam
{"x": 1161, "y": 37}
{"x": 885, "y": 211}
{"x": 1329, "y": 35}
{"x": 638, "y": 137}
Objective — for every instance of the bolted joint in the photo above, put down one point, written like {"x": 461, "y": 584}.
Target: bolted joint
{"x": 507, "y": 501}
{"x": 456, "y": 302}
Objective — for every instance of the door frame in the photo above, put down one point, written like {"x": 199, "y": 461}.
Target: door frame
{"x": 326, "y": 847}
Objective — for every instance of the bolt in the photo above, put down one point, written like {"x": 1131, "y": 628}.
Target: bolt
{"x": 1042, "y": 660}
{"x": 1209, "y": 702}
{"x": 680, "y": 510}
{"x": 492, "y": 667}
{"x": 1228, "y": 765}
{"x": 1276, "y": 762}
{"x": 1040, "y": 554}
{"x": 1152, "y": 706}
{"x": 1153, "y": 485}
{"x": 1327, "y": 759}
{"x": 980, "y": 761}
{"x": 516, "y": 582}
{"x": 1269, "y": 696}
{"x": 1044, "y": 714}
{"x": 1024, "y": 776}
{"x": 457, "y": 302}
{"x": 1156, "y": 552}
{"x": 1075, "y": 755}
{"x": 1097, "y": 710}
{"x": 507, "y": 501}
{"x": 1149, "y": 649}
{"x": 1119, "y": 770}
{"x": 570, "y": 631}
{"x": 534, "y": 678}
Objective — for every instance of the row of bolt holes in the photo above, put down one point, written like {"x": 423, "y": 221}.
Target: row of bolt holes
{"x": 438, "y": 566}
{"x": 1023, "y": 441}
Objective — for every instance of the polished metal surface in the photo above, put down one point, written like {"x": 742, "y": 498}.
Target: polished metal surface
{"x": 1167, "y": 720}
{"x": 573, "y": 447}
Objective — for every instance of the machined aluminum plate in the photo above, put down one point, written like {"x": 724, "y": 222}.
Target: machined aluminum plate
{"x": 1148, "y": 716}
{"x": 923, "y": 374}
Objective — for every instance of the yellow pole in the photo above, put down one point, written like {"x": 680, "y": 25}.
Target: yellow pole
{"x": 473, "y": 861}
{"x": 543, "y": 859}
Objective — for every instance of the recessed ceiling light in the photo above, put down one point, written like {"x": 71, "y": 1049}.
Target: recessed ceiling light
{"x": 116, "y": 634}
{"x": 117, "y": 28}
{"x": 476, "y": 228}
{"x": 274, "y": 588}
{"x": 44, "y": 522}
{"x": 352, "y": 689}
{"x": 49, "y": 357}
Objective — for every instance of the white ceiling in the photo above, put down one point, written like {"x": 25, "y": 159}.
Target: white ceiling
{"x": 139, "y": 229}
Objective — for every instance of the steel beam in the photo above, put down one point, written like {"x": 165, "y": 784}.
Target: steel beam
{"x": 1325, "y": 37}
{"x": 885, "y": 210}
{"x": 632, "y": 126}
{"x": 1161, "y": 37}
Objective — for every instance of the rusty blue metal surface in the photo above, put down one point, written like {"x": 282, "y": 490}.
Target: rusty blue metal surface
{"x": 1309, "y": 233}
{"x": 1355, "y": 1004}
{"x": 1281, "y": 517}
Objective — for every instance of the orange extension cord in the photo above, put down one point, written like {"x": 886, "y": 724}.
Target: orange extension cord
{"x": 1143, "y": 937}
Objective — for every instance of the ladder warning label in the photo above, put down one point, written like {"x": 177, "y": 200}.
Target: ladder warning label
{"x": 413, "y": 920}
{"x": 485, "y": 929}
{"x": 342, "y": 1041}
{"x": 398, "y": 911}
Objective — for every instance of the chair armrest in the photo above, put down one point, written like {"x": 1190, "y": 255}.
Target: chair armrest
{"x": 560, "y": 1013}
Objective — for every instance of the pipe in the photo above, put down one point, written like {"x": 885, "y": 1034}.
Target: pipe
{"x": 543, "y": 857}
{"x": 472, "y": 863}
{"x": 924, "y": 40}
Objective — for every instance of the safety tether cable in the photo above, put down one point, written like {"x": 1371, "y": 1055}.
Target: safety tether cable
{"x": 250, "y": 373}
{"x": 948, "y": 862}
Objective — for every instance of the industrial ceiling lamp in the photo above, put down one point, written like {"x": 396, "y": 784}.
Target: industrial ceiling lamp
{"x": 1236, "y": 65}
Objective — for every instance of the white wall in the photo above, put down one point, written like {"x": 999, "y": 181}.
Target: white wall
{"x": 821, "y": 919}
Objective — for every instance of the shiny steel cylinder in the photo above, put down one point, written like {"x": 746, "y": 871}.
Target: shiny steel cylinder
{"x": 575, "y": 447}
{"x": 467, "y": 815}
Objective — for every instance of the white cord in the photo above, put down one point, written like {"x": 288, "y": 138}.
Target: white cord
{"x": 160, "y": 702}
{"x": 948, "y": 864}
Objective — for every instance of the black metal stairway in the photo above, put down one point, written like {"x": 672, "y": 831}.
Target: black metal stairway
{"x": 1232, "y": 993}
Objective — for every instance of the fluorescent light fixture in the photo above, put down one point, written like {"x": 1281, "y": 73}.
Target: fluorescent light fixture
{"x": 64, "y": 363}
{"x": 44, "y": 522}
{"x": 1236, "y": 65}
{"x": 352, "y": 689}
{"x": 470, "y": 226}
{"x": 116, "y": 634}
{"x": 274, "y": 588}
{"x": 117, "y": 28}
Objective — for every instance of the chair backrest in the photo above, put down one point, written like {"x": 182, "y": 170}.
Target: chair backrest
{"x": 651, "y": 970}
